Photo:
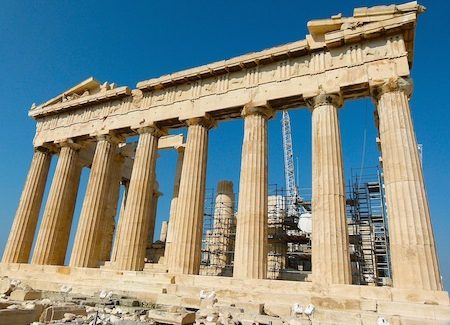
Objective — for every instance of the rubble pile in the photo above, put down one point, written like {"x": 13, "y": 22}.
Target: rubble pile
{"x": 22, "y": 305}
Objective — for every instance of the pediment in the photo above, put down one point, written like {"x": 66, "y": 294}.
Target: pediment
{"x": 87, "y": 91}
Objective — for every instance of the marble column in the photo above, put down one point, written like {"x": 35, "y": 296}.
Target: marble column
{"x": 111, "y": 209}
{"x": 23, "y": 229}
{"x": 86, "y": 250}
{"x": 126, "y": 185}
{"x": 151, "y": 224}
{"x": 53, "y": 237}
{"x": 132, "y": 239}
{"x": 223, "y": 226}
{"x": 188, "y": 225}
{"x": 330, "y": 244}
{"x": 173, "y": 205}
{"x": 412, "y": 245}
{"x": 250, "y": 257}
{"x": 163, "y": 233}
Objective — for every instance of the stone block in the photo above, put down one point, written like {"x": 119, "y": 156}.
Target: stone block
{"x": 337, "y": 317}
{"x": 165, "y": 317}
{"x": 170, "y": 300}
{"x": 251, "y": 307}
{"x": 280, "y": 310}
{"x": 368, "y": 305}
{"x": 406, "y": 310}
{"x": 57, "y": 312}
{"x": 6, "y": 287}
{"x": 17, "y": 316}
{"x": 25, "y": 294}
{"x": 335, "y": 303}
{"x": 420, "y": 296}
{"x": 190, "y": 302}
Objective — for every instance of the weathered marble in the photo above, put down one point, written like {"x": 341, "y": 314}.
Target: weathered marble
{"x": 250, "y": 258}
{"x": 330, "y": 255}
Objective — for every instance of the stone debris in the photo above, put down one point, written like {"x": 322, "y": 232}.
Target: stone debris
{"x": 6, "y": 287}
{"x": 25, "y": 294}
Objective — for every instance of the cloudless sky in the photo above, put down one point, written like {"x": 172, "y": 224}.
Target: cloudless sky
{"x": 49, "y": 46}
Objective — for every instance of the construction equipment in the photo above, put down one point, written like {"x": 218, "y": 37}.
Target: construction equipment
{"x": 295, "y": 203}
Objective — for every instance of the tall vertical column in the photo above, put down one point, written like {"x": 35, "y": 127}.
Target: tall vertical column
{"x": 250, "y": 257}
{"x": 163, "y": 233}
{"x": 412, "y": 246}
{"x": 173, "y": 205}
{"x": 111, "y": 209}
{"x": 330, "y": 245}
{"x": 134, "y": 227}
{"x": 151, "y": 225}
{"x": 86, "y": 250}
{"x": 188, "y": 227}
{"x": 126, "y": 185}
{"x": 24, "y": 227}
{"x": 223, "y": 224}
{"x": 53, "y": 237}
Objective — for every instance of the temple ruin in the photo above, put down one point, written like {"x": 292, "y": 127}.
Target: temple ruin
{"x": 241, "y": 259}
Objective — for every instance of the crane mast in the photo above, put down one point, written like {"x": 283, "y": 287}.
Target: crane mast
{"x": 293, "y": 198}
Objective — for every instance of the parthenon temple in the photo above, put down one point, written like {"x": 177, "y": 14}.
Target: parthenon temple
{"x": 116, "y": 133}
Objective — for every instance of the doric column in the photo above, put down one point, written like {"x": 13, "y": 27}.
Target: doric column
{"x": 152, "y": 220}
{"x": 22, "y": 232}
{"x": 173, "y": 205}
{"x": 223, "y": 225}
{"x": 163, "y": 233}
{"x": 250, "y": 257}
{"x": 86, "y": 250}
{"x": 111, "y": 209}
{"x": 330, "y": 245}
{"x": 188, "y": 225}
{"x": 126, "y": 185}
{"x": 134, "y": 227}
{"x": 412, "y": 246}
{"x": 53, "y": 237}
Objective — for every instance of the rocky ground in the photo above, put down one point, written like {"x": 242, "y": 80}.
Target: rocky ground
{"x": 22, "y": 305}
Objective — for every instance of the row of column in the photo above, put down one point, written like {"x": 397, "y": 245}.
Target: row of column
{"x": 414, "y": 261}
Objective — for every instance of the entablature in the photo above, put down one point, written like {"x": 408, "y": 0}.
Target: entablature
{"x": 282, "y": 77}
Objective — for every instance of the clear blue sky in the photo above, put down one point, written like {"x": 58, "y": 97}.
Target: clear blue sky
{"x": 49, "y": 46}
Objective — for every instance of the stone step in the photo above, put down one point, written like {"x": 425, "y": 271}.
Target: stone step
{"x": 155, "y": 267}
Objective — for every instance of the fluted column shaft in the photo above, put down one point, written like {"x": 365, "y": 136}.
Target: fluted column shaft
{"x": 330, "y": 255}
{"x": 152, "y": 221}
{"x": 187, "y": 237}
{"x": 86, "y": 250}
{"x": 23, "y": 229}
{"x": 173, "y": 205}
{"x": 111, "y": 209}
{"x": 53, "y": 237}
{"x": 134, "y": 228}
{"x": 250, "y": 258}
{"x": 223, "y": 222}
{"x": 412, "y": 245}
{"x": 126, "y": 185}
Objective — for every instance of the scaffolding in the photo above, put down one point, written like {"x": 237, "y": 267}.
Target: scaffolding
{"x": 368, "y": 210}
{"x": 289, "y": 246}
{"x": 219, "y": 232}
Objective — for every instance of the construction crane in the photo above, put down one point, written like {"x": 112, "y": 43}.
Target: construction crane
{"x": 294, "y": 200}
{"x": 293, "y": 197}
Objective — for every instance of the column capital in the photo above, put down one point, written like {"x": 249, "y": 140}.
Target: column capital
{"x": 180, "y": 148}
{"x": 44, "y": 149}
{"x": 206, "y": 121}
{"x": 381, "y": 87}
{"x": 70, "y": 143}
{"x": 153, "y": 129}
{"x": 109, "y": 136}
{"x": 321, "y": 99}
{"x": 264, "y": 110}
